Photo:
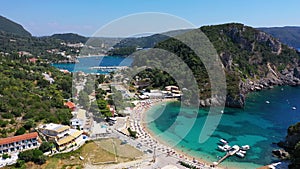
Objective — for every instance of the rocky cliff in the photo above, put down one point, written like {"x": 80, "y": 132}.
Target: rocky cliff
{"x": 258, "y": 60}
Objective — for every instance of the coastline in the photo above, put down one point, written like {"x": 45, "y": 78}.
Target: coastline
{"x": 175, "y": 153}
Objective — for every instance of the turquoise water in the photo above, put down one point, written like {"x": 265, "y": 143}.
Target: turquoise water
{"x": 259, "y": 125}
{"x": 86, "y": 63}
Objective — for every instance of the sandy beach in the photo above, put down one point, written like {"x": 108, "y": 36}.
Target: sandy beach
{"x": 146, "y": 137}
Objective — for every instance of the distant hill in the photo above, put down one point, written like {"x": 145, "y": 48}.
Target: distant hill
{"x": 70, "y": 37}
{"x": 129, "y": 45}
{"x": 289, "y": 35}
{"x": 9, "y": 26}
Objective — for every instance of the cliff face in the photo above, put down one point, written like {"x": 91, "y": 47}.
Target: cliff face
{"x": 258, "y": 60}
{"x": 292, "y": 145}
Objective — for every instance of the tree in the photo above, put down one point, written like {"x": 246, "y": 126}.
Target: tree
{"x": 5, "y": 156}
{"x": 29, "y": 124}
{"x": 101, "y": 79}
{"x": 132, "y": 133}
{"x": 20, "y": 131}
{"x": 34, "y": 155}
{"x": 45, "y": 146}
{"x": 20, "y": 164}
{"x": 26, "y": 155}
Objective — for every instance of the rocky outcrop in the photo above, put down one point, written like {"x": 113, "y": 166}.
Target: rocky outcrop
{"x": 273, "y": 78}
{"x": 292, "y": 138}
{"x": 286, "y": 77}
{"x": 281, "y": 153}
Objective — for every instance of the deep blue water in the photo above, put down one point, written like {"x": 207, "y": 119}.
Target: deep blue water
{"x": 85, "y": 64}
{"x": 259, "y": 125}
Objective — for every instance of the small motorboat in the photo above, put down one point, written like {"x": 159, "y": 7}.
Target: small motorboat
{"x": 223, "y": 141}
{"x": 294, "y": 108}
{"x": 239, "y": 154}
{"x": 268, "y": 102}
{"x": 245, "y": 147}
{"x": 221, "y": 148}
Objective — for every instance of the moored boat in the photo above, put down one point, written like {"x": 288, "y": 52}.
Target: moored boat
{"x": 223, "y": 141}
{"x": 239, "y": 154}
{"x": 245, "y": 147}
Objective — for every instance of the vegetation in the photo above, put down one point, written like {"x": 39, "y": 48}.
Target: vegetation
{"x": 124, "y": 51}
{"x": 20, "y": 131}
{"x": 132, "y": 133}
{"x": 9, "y": 26}
{"x": 24, "y": 93}
{"x": 70, "y": 37}
{"x": 294, "y": 147}
{"x": 34, "y": 155}
{"x": 46, "y": 146}
{"x": 244, "y": 52}
{"x": 5, "y": 156}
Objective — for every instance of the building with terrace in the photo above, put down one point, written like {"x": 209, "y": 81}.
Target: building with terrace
{"x": 62, "y": 135}
{"x": 19, "y": 143}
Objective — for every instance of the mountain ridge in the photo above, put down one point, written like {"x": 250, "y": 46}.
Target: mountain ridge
{"x": 289, "y": 35}
{"x": 9, "y": 26}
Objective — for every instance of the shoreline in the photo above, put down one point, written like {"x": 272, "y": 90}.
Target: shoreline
{"x": 174, "y": 152}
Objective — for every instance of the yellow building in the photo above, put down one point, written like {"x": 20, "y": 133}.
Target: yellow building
{"x": 62, "y": 135}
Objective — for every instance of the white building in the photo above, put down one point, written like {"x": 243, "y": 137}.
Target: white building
{"x": 64, "y": 136}
{"x": 77, "y": 123}
{"x": 19, "y": 143}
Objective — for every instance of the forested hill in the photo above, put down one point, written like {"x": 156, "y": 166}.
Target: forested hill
{"x": 252, "y": 59}
{"x": 28, "y": 97}
{"x": 289, "y": 35}
{"x": 9, "y": 26}
{"x": 129, "y": 45}
{"x": 70, "y": 37}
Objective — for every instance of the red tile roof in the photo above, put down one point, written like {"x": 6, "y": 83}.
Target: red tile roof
{"x": 70, "y": 105}
{"x": 18, "y": 138}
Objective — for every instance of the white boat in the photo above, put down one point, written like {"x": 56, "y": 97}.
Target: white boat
{"x": 225, "y": 147}
{"x": 294, "y": 108}
{"x": 223, "y": 141}
{"x": 268, "y": 102}
{"x": 243, "y": 152}
{"x": 222, "y": 111}
{"x": 239, "y": 154}
{"x": 222, "y": 148}
{"x": 245, "y": 147}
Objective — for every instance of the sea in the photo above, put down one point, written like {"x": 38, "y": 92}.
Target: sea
{"x": 259, "y": 124}
{"x": 85, "y": 64}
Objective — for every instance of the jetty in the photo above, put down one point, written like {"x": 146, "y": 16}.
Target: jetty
{"x": 109, "y": 68}
{"x": 230, "y": 151}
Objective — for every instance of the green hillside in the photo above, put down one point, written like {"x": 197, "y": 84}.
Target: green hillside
{"x": 9, "y": 26}
{"x": 247, "y": 55}
{"x": 70, "y": 37}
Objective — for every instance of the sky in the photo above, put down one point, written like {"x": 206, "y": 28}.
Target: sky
{"x": 42, "y": 18}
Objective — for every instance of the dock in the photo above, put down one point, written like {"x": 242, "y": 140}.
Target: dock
{"x": 232, "y": 152}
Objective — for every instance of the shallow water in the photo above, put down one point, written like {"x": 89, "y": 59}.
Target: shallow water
{"x": 259, "y": 125}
